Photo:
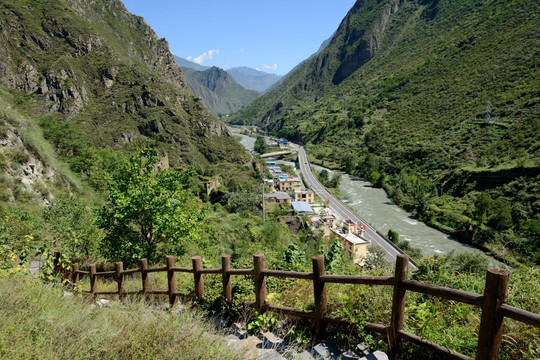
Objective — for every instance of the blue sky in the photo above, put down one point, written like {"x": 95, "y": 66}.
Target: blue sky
{"x": 272, "y": 36}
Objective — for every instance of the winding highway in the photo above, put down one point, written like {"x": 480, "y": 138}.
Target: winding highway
{"x": 389, "y": 249}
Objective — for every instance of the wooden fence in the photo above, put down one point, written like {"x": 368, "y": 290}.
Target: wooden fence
{"x": 492, "y": 303}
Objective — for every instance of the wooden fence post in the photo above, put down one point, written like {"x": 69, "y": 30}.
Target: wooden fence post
{"x": 171, "y": 280}
{"x": 120, "y": 278}
{"x": 197, "y": 276}
{"x": 226, "y": 277}
{"x": 75, "y": 276}
{"x": 491, "y": 322}
{"x": 398, "y": 303}
{"x": 93, "y": 280}
{"x": 319, "y": 294}
{"x": 260, "y": 282}
{"x": 144, "y": 277}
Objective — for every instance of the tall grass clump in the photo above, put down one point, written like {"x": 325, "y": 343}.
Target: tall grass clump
{"x": 36, "y": 322}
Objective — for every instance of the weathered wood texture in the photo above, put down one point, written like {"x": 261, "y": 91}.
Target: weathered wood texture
{"x": 260, "y": 281}
{"x": 492, "y": 302}
{"x": 398, "y": 302}
{"x": 492, "y": 320}
{"x": 319, "y": 294}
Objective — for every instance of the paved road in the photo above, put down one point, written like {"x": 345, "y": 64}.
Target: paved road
{"x": 390, "y": 252}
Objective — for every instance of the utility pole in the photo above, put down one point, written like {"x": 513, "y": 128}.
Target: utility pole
{"x": 263, "y": 200}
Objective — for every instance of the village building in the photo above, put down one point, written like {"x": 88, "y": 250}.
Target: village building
{"x": 302, "y": 208}
{"x": 278, "y": 198}
{"x": 306, "y": 195}
{"x": 356, "y": 247}
{"x": 350, "y": 226}
{"x": 329, "y": 220}
{"x": 289, "y": 183}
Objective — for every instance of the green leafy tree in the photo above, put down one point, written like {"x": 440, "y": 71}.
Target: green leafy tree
{"x": 72, "y": 222}
{"x": 260, "y": 145}
{"x": 336, "y": 180}
{"x": 393, "y": 235}
{"x": 482, "y": 206}
{"x": 334, "y": 256}
{"x": 148, "y": 212}
{"x": 323, "y": 176}
{"x": 243, "y": 201}
{"x": 292, "y": 257}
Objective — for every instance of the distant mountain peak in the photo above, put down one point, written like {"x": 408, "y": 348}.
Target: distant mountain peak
{"x": 218, "y": 89}
{"x": 254, "y": 79}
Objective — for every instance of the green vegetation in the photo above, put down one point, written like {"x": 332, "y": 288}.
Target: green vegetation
{"x": 37, "y": 322}
{"x": 236, "y": 231}
{"x": 95, "y": 70}
{"x": 434, "y": 101}
{"x": 148, "y": 212}
{"x": 66, "y": 183}
{"x": 260, "y": 145}
{"x": 332, "y": 183}
{"x": 404, "y": 245}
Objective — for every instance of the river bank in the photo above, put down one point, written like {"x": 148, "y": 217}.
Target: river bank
{"x": 380, "y": 212}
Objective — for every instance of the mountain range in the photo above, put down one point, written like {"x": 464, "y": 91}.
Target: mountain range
{"x": 78, "y": 76}
{"x": 249, "y": 78}
{"x": 220, "y": 93}
{"x": 254, "y": 79}
{"x": 436, "y": 101}
{"x": 225, "y": 92}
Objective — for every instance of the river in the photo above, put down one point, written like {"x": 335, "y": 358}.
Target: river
{"x": 378, "y": 210}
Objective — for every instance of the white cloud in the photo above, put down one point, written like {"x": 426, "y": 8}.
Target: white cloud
{"x": 204, "y": 56}
{"x": 270, "y": 67}
{"x": 241, "y": 51}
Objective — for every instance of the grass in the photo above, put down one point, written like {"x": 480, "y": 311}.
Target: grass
{"x": 32, "y": 137}
{"x": 38, "y": 323}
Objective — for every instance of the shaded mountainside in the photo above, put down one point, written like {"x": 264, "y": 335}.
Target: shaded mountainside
{"x": 253, "y": 79}
{"x": 105, "y": 72}
{"x": 426, "y": 98}
{"x": 218, "y": 90}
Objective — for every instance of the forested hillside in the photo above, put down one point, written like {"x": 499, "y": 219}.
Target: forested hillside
{"x": 437, "y": 102}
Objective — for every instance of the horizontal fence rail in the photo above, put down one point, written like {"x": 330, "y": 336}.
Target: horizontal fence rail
{"x": 492, "y": 303}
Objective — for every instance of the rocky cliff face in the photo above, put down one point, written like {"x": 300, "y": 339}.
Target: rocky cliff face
{"x": 102, "y": 68}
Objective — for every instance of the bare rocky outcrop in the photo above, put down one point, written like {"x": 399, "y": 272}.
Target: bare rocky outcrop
{"x": 24, "y": 170}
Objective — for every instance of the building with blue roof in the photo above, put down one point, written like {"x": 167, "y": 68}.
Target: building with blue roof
{"x": 302, "y": 207}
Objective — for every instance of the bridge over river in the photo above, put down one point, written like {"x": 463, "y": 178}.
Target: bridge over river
{"x": 277, "y": 153}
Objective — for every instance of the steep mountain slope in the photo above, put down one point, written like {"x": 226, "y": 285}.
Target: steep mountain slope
{"x": 184, "y": 63}
{"x": 105, "y": 72}
{"x": 253, "y": 79}
{"x": 427, "y": 97}
{"x": 218, "y": 90}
